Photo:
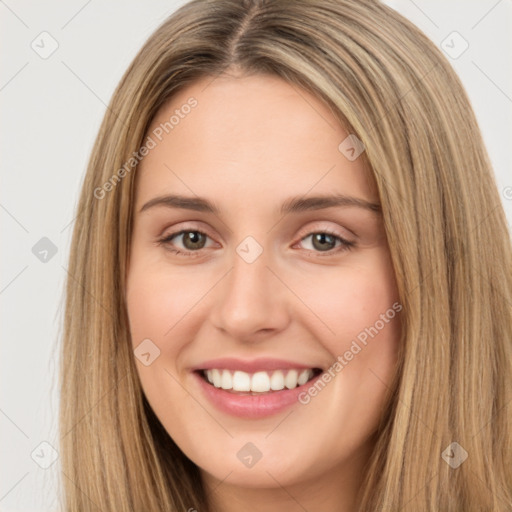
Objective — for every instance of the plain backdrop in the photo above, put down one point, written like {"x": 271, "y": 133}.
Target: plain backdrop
{"x": 52, "y": 106}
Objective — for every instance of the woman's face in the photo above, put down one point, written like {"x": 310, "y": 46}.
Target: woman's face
{"x": 283, "y": 271}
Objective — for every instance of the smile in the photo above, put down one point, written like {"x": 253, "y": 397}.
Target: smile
{"x": 262, "y": 388}
{"x": 260, "y": 382}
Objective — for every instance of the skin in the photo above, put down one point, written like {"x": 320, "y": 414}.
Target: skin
{"x": 250, "y": 144}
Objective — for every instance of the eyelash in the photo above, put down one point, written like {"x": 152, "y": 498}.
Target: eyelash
{"x": 346, "y": 245}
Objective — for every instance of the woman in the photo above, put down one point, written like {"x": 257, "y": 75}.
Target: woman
{"x": 295, "y": 269}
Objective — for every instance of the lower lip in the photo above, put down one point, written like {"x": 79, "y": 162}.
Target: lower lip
{"x": 252, "y": 406}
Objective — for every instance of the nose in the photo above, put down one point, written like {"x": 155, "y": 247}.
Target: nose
{"x": 251, "y": 302}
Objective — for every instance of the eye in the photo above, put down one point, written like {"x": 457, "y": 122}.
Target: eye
{"x": 326, "y": 241}
{"x": 192, "y": 240}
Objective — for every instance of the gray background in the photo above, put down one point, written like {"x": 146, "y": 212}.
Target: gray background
{"x": 51, "y": 111}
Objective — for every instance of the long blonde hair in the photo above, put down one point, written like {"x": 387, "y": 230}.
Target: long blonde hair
{"x": 388, "y": 84}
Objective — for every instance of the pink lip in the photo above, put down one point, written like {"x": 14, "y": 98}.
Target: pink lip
{"x": 251, "y": 406}
{"x": 252, "y": 366}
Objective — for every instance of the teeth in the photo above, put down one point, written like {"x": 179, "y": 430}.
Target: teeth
{"x": 226, "y": 381}
{"x": 216, "y": 377}
{"x": 290, "y": 380}
{"x": 259, "y": 382}
{"x": 277, "y": 381}
{"x": 241, "y": 381}
{"x": 303, "y": 377}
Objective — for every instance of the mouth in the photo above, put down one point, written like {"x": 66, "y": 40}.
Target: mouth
{"x": 258, "y": 383}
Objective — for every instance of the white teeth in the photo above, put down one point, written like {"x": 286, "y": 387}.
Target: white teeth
{"x": 215, "y": 376}
{"x": 226, "y": 381}
{"x": 290, "y": 381}
{"x": 277, "y": 381}
{"x": 259, "y": 382}
{"x": 303, "y": 377}
{"x": 241, "y": 381}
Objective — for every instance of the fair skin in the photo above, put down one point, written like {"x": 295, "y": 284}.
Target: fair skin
{"x": 249, "y": 145}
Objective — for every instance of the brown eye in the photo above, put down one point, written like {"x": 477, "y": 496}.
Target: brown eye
{"x": 326, "y": 242}
{"x": 323, "y": 241}
{"x": 193, "y": 240}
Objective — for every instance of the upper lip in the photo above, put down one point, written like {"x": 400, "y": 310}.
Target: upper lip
{"x": 251, "y": 366}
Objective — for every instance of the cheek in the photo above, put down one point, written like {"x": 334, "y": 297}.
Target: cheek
{"x": 149, "y": 311}
{"x": 365, "y": 319}
{"x": 353, "y": 300}
{"x": 361, "y": 307}
{"x": 160, "y": 305}
{"x": 158, "y": 301}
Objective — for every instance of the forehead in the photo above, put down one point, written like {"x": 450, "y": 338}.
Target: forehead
{"x": 253, "y": 135}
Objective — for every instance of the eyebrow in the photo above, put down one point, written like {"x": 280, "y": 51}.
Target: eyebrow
{"x": 292, "y": 205}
